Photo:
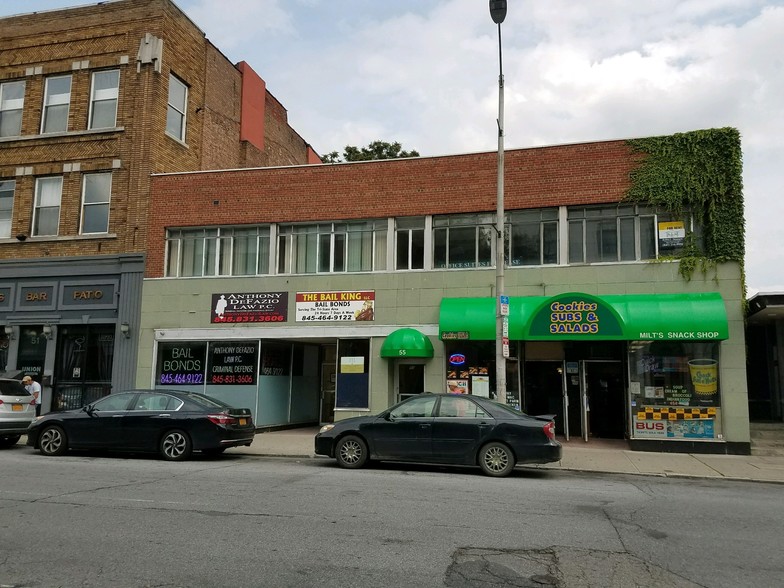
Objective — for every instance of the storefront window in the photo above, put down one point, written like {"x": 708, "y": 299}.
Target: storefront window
{"x": 674, "y": 389}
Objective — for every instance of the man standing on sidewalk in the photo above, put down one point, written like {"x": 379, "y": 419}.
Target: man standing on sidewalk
{"x": 34, "y": 388}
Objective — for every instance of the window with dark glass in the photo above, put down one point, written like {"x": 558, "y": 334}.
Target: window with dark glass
{"x": 615, "y": 233}
{"x": 410, "y": 243}
{"x": 463, "y": 241}
{"x": 532, "y": 237}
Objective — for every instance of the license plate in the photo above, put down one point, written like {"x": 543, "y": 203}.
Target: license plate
{"x": 17, "y": 407}
{"x": 243, "y": 421}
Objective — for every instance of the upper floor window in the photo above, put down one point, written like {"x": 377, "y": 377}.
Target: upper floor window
{"x": 57, "y": 100}
{"x": 224, "y": 251}
{"x": 178, "y": 103}
{"x": 11, "y": 105}
{"x": 46, "y": 213}
{"x": 463, "y": 241}
{"x": 103, "y": 99}
{"x": 624, "y": 233}
{"x": 7, "y": 188}
{"x": 332, "y": 247}
{"x": 532, "y": 237}
{"x": 96, "y": 195}
{"x": 410, "y": 243}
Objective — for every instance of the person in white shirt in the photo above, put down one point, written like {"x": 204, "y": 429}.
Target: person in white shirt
{"x": 33, "y": 388}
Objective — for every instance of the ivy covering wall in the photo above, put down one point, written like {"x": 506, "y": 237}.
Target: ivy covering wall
{"x": 700, "y": 171}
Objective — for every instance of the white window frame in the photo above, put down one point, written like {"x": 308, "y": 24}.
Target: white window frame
{"x": 53, "y": 100}
{"x": 9, "y": 105}
{"x": 482, "y": 224}
{"x": 105, "y": 203}
{"x": 7, "y": 192}
{"x": 39, "y": 206}
{"x": 211, "y": 250}
{"x": 177, "y": 110}
{"x": 104, "y": 95}
{"x": 302, "y": 249}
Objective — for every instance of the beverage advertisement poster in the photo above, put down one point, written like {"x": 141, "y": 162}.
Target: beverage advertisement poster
{"x": 336, "y": 306}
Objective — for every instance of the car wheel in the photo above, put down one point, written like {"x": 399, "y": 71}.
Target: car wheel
{"x": 496, "y": 459}
{"x": 176, "y": 446}
{"x": 9, "y": 441}
{"x": 53, "y": 441}
{"x": 351, "y": 452}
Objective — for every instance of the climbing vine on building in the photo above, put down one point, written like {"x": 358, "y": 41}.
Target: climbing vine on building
{"x": 698, "y": 171}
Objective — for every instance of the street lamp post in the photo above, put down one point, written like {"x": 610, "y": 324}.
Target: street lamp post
{"x": 498, "y": 14}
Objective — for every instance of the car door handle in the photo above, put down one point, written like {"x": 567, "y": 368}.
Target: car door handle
{"x": 117, "y": 416}
{"x": 163, "y": 414}
{"x": 425, "y": 426}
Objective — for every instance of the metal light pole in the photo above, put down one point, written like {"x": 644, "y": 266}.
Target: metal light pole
{"x": 498, "y": 14}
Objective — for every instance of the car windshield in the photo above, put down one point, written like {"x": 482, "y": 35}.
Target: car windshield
{"x": 12, "y": 388}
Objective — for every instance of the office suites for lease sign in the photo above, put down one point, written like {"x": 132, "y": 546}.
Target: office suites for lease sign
{"x": 336, "y": 306}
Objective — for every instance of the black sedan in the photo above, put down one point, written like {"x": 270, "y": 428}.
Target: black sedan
{"x": 170, "y": 423}
{"x": 443, "y": 429}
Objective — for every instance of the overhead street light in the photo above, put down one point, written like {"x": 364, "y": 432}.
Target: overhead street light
{"x": 498, "y": 14}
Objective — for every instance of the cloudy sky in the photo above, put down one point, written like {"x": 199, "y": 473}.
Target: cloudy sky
{"x": 425, "y": 73}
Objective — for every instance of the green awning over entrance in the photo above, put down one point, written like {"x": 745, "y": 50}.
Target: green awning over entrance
{"x": 576, "y": 316}
{"x": 406, "y": 343}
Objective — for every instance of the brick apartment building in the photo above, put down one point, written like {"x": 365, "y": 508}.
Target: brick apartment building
{"x": 93, "y": 100}
{"x": 316, "y": 293}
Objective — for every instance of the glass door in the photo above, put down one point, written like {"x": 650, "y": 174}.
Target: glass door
{"x": 409, "y": 380}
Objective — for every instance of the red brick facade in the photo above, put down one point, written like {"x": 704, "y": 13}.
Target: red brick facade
{"x": 589, "y": 173}
{"x": 82, "y": 40}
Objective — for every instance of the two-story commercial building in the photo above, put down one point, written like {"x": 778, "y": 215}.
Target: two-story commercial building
{"x": 314, "y": 293}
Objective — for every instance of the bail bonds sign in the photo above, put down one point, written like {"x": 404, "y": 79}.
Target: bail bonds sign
{"x": 336, "y": 306}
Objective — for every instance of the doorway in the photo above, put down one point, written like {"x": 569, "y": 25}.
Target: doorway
{"x": 409, "y": 380}
{"x": 605, "y": 401}
{"x": 544, "y": 392}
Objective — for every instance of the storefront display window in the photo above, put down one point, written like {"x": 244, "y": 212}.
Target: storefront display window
{"x": 674, "y": 389}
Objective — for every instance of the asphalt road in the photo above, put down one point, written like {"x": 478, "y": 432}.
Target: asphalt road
{"x": 97, "y": 521}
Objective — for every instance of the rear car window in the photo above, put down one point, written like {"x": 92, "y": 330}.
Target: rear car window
{"x": 206, "y": 401}
{"x": 12, "y": 388}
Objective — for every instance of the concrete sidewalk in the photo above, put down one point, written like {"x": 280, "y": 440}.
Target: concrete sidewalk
{"x": 595, "y": 456}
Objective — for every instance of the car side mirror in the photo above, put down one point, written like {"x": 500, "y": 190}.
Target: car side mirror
{"x": 89, "y": 409}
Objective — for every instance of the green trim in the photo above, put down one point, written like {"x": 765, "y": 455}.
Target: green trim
{"x": 406, "y": 343}
{"x": 582, "y": 317}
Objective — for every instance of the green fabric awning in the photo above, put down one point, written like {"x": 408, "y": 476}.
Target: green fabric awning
{"x": 406, "y": 343}
{"x": 576, "y": 316}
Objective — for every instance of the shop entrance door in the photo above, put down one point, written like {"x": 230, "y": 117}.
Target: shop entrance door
{"x": 409, "y": 380}
{"x": 603, "y": 399}
{"x": 545, "y": 392}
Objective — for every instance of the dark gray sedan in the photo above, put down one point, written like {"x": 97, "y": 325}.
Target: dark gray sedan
{"x": 443, "y": 429}
{"x": 170, "y": 423}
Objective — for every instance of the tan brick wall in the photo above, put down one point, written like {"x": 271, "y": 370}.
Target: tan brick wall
{"x": 102, "y": 35}
{"x": 588, "y": 173}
